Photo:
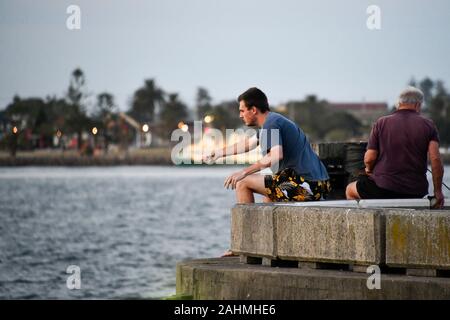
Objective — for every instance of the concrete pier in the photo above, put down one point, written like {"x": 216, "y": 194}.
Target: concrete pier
{"x": 227, "y": 278}
{"x": 319, "y": 252}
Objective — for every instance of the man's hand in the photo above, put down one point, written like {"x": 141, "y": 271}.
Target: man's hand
{"x": 232, "y": 180}
{"x": 368, "y": 171}
{"x": 439, "y": 200}
{"x": 211, "y": 157}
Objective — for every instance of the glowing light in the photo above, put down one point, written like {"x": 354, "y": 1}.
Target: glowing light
{"x": 184, "y": 127}
{"x": 94, "y": 131}
{"x": 209, "y": 119}
{"x": 15, "y": 130}
{"x": 145, "y": 128}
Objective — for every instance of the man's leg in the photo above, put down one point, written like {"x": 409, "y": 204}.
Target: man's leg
{"x": 244, "y": 194}
{"x": 351, "y": 192}
{"x": 247, "y": 186}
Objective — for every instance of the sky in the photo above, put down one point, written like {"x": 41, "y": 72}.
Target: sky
{"x": 287, "y": 48}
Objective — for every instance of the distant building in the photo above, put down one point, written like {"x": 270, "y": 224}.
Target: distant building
{"x": 366, "y": 112}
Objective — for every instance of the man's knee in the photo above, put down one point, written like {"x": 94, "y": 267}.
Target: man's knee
{"x": 350, "y": 192}
{"x": 241, "y": 184}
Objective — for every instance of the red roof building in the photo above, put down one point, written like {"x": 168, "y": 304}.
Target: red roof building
{"x": 366, "y": 112}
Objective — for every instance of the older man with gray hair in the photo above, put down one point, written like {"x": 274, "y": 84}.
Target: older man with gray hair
{"x": 396, "y": 156}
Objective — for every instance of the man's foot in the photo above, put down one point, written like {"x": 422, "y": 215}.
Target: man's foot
{"x": 228, "y": 253}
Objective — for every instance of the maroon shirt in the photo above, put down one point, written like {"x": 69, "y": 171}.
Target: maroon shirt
{"x": 402, "y": 140}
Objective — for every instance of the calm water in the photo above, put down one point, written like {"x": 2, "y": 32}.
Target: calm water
{"x": 125, "y": 227}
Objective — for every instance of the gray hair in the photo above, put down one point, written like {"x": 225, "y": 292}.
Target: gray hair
{"x": 410, "y": 95}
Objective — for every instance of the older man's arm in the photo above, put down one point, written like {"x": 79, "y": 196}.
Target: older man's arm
{"x": 437, "y": 170}
{"x": 370, "y": 158}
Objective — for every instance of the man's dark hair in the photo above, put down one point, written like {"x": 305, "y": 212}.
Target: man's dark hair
{"x": 254, "y": 97}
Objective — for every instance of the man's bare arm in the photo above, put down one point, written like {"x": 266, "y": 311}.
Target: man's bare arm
{"x": 275, "y": 155}
{"x": 241, "y": 146}
{"x": 437, "y": 170}
{"x": 370, "y": 158}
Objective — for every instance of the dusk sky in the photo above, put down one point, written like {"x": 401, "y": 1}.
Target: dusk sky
{"x": 287, "y": 48}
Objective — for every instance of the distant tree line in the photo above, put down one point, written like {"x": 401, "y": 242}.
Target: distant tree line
{"x": 436, "y": 105}
{"x": 35, "y": 122}
{"x": 321, "y": 122}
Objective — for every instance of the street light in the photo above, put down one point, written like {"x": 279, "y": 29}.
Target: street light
{"x": 208, "y": 119}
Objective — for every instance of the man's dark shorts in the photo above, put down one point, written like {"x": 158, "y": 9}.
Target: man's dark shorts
{"x": 287, "y": 185}
{"x": 367, "y": 189}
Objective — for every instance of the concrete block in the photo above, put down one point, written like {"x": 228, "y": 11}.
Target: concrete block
{"x": 253, "y": 230}
{"x": 395, "y": 203}
{"x": 358, "y": 268}
{"x": 226, "y": 278}
{"x": 325, "y": 203}
{"x": 418, "y": 238}
{"x": 267, "y": 262}
{"x": 249, "y": 260}
{"x": 421, "y": 272}
{"x": 336, "y": 235}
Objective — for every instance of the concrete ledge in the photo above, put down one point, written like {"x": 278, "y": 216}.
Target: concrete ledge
{"x": 253, "y": 230}
{"x": 226, "y": 278}
{"x": 338, "y": 235}
{"x": 418, "y": 239}
{"x": 406, "y": 238}
{"x": 362, "y": 204}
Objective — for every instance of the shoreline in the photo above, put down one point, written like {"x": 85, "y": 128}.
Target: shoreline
{"x": 156, "y": 157}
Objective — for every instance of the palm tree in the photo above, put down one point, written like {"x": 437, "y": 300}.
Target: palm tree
{"x": 173, "y": 112}
{"x": 76, "y": 97}
{"x": 146, "y": 100}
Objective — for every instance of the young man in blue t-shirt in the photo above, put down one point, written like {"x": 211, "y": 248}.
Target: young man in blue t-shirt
{"x": 299, "y": 175}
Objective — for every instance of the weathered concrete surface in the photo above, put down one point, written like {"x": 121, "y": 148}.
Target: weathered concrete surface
{"x": 418, "y": 238}
{"x": 362, "y": 204}
{"x": 226, "y": 278}
{"x": 339, "y": 235}
{"x": 253, "y": 230}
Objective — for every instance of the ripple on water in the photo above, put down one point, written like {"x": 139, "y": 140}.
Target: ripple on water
{"x": 126, "y": 228}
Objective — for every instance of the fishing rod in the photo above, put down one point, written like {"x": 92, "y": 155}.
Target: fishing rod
{"x": 442, "y": 182}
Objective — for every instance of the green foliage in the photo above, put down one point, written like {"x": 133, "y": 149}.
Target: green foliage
{"x": 226, "y": 115}
{"x": 437, "y": 107}
{"x": 203, "y": 103}
{"x": 42, "y": 118}
{"x": 181, "y": 296}
{"x": 172, "y": 113}
{"x": 145, "y": 101}
{"x": 105, "y": 106}
{"x": 320, "y": 122}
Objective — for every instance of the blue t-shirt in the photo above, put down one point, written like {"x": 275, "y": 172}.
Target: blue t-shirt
{"x": 297, "y": 152}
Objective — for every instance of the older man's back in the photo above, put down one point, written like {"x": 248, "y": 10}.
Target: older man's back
{"x": 396, "y": 156}
{"x": 402, "y": 140}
